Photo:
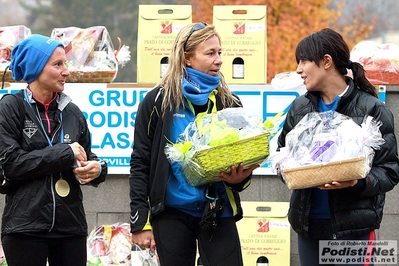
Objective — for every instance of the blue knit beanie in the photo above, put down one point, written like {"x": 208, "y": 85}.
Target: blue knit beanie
{"x": 29, "y": 57}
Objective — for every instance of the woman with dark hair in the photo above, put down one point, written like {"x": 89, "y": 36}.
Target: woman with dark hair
{"x": 166, "y": 210}
{"x": 349, "y": 210}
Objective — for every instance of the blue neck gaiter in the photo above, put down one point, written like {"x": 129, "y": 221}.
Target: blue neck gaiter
{"x": 197, "y": 86}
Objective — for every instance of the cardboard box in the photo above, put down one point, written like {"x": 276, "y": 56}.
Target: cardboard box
{"x": 265, "y": 232}
{"x": 158, "y": 26}
{"x": 243, "y": 34}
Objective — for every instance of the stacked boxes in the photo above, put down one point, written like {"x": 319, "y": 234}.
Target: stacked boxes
{"x": 265, "y": 233}
{"x": 243, "y": 37}
{"x": 158, "y": 26}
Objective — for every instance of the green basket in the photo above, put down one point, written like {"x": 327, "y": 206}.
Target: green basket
{"x": 205, "y": 165}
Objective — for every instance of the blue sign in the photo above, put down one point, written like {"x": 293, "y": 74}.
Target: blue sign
{"x": 110, "y": 110}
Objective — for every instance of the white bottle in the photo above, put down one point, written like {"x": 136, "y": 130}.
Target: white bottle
{"x": 262, "y": 261}
{"x": 238, "y": 68}
{"x": 164, "y": 65}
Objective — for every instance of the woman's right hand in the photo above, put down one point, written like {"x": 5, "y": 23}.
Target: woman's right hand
{"x": 79, "y": 151}
{"x": 237, "y": 174}
{"x": 339, "y": 184}
{"x": 144, "y": 239}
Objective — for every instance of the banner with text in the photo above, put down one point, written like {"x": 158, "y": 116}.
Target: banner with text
{"x": 110, "y": 110}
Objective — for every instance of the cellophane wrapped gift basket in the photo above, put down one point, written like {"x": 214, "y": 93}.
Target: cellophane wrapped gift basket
{"x": 112, "y": 245}
{"x": 9, "y": 37}
{"x": 216, "y": 141}
{"x": 380, "y": 61}
{"x": 90, "y": 54}
{"x": 326, "y": 147}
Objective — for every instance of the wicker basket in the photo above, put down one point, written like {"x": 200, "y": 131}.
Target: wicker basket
{"x": 319, "y": 174}
{"x": 206, "y": 165}
{"x": 382, "y": 77}
{"x": 91, "y": 76}
{"x": 77, "y": 76}
{"x": 7, "y": 76}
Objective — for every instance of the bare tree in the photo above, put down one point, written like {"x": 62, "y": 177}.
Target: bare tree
{"x": 385, "y": 11}
{"x": 11, "y": 14}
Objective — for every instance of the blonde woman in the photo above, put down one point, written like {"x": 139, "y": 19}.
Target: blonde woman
{"x": 166, "y": 211}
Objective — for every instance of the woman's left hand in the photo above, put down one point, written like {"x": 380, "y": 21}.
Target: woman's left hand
{"x": 88, "y": 171}
{"x": 238, "y": 174}
{"x": 338, "y": 185}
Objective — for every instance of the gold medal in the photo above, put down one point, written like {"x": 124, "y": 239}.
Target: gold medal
{"x": 62, "y": 187}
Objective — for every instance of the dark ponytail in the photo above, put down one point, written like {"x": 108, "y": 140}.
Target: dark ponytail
{"x": 361, "y": 81}
{"x": 328, "y": 41}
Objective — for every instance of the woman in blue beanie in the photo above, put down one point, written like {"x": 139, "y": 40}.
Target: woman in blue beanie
{"x": 46, "y": 156}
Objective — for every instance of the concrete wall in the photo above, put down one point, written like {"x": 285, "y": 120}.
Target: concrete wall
{"x": 109, "y": 203}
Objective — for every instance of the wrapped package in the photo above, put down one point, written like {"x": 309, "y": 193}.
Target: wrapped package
{"x": 326, "y": 147}
{"x": 9, "y": 37}
{"x": 216, "y": 141}
{"x": 112, "y": 245}
{"x": 143, "y": 256}
{"x": 3, "y": 261}
{"x": 90, "y": 53}
{"x": 287, "y": 81}
{"x": 109, "y": 245}
{"x": 380, "y": 61}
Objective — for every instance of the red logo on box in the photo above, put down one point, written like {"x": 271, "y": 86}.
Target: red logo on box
{"x": 240, "y": 29}
{"x": 263, "y": 226}
{"x": 166, "y": 28}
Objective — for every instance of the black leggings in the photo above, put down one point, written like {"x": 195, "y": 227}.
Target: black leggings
{"x": 320, "y": 229}
{"x": 22, "y": 250}
{"x": 176, "y": 234}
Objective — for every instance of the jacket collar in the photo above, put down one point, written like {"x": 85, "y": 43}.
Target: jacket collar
{"x": 349, "y": 94}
